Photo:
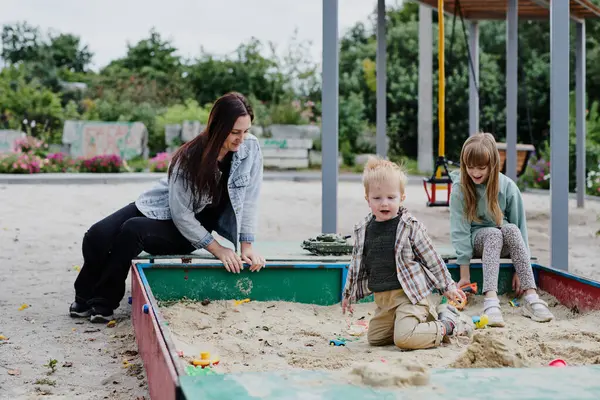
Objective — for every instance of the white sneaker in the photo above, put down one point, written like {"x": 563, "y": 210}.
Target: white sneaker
{"x": 494, "y": 313}
{"x": 463, "y": 324}
{"x": 537, "y": 310}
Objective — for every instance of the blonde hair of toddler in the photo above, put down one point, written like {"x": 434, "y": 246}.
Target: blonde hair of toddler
{"x": 378, "y": 170}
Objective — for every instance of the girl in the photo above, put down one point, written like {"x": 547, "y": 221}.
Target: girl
{"x": 487, "y": 220}
{"x": 213, "y": 184}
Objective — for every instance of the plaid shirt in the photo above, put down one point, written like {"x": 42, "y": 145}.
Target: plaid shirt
{"x": 420, "y": 269}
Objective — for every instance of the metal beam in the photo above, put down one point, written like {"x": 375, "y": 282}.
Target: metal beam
{"x": 425, "y": 112}
{"x": 474, "y": 78}
{"x": 546, "y": 5}
{"x": 329, "y": 121}
{"x": 492, "y": 15}
{"x": 512, "y": 88}
{"x": 580, "y": 107}
{"x": 381, "y": 131}
{"x": 559, "y": 134}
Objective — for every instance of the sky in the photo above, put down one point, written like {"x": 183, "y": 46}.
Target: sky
{"x": 217, "y": 26}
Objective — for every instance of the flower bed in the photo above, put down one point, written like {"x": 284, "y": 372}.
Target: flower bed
{"x": 30, "y": 156}
{"x": 537, "y": 176}
{"x": 593, "y": 182}
{"x": 160, "y": 163}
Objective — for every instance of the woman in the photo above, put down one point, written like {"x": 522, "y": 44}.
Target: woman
{"x": 213, "y": 183}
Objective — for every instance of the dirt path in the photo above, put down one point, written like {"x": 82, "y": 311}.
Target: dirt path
{"x": 41, "y": 227}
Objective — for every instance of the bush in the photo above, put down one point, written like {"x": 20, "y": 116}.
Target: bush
{"x": 29, "y": 144}
{"x": 20, "y": 163}
{"x": 101, "y": 164}
{"x": 190, "y": 110}
{"x": 160, "y": 163}
{"x": 537, "y": 174}
{"x": 292, "y": 113}
{"x": 60, "y": 162}
{"x": 593, "y": 182}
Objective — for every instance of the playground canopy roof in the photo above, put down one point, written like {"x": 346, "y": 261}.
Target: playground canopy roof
{"x": 528, "y": 9}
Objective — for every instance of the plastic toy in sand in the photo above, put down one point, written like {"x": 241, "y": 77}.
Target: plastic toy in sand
{"x": 238, "y": 302}
{"x": 480, "y": 321}
{"x": 468, "y": 289}
{"x": 337, "y": 342}
{"x": 557, "y": 363}
{"x": 205, "y": 360}
{"x": 358, "y": 328}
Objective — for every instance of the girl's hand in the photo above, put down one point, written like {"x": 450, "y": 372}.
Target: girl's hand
{"x": 463, "y": 281}
{"x": 516, "y": 285}
{"x": 250, "y": 256}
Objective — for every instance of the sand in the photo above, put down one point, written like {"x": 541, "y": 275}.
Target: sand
{"x": 41, "y": 228}
{"x": 274, "y": 336}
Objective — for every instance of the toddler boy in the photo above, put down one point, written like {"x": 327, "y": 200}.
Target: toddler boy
{"x": 394, "y": 258}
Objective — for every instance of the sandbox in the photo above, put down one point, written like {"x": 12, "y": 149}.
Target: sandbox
{"x": 277, "y": 345}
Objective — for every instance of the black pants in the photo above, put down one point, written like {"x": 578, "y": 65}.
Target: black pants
{"x": 111, "y": 244}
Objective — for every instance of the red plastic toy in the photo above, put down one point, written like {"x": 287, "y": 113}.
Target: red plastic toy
{"x": 557, "y": 363}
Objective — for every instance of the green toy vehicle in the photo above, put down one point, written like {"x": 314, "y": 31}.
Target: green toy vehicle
{"x": 328, "y": 244}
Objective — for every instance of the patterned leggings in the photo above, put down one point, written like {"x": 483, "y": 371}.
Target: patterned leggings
{"x": 493, "y": 243}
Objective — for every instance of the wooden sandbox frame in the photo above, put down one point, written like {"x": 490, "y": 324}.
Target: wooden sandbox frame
{"x": 179, "y": 277}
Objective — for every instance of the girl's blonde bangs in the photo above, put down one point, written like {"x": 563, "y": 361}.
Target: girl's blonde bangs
{"x": 476, "y": 154}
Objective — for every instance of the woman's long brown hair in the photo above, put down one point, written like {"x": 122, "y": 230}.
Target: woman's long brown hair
{"x": 196, "y": 160}
{"x": 480, "y": 150}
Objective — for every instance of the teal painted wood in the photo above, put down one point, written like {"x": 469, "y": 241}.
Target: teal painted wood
{"x": 321, "y": 286}
{"x": 573, "y": 383}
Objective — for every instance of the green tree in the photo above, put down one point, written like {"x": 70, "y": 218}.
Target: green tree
{"x": 22, "y": 100}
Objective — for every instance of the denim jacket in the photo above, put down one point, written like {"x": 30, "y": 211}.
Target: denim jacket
{"x": 169, "y": 199}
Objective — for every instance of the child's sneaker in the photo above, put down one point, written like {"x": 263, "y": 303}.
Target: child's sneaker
{"x": 536, "y": 309}
{"x": 79, "y": 310}
{"x": 101, "y": 314}
{"x": 463, "y": 324}
{"x": 491, "y": 307}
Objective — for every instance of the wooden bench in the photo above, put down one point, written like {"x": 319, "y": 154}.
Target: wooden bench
{"x": 524, "y": 151}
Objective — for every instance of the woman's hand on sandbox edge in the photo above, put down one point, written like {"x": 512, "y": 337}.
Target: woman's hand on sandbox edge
{"x": 251, "y": 257}
{"x": 231, "y": 261}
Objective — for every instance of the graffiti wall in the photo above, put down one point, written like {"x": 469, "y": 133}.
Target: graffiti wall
{"x": 8, "y": 138}
{"x": 92, "y": 138}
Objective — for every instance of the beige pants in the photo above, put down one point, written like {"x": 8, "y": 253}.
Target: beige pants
{"x": 398, "y": 321}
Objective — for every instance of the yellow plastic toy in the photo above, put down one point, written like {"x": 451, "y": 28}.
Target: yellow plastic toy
{"x": 460, "y": 305}
{"x": 238, "y": 302}
{"x": 481, "y": 321}
{"x": 205, "y": 360}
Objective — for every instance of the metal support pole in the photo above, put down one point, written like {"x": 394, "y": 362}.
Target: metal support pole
{"x": 474, "y": 78}
{"x": 512, "y": 43}
{"x": 559, "y": 134}
{"x": 580, "y": 107}
{"x": 381, "y": 131}
{"x": 425, "y": 113}
{"x": 329, "y": 121}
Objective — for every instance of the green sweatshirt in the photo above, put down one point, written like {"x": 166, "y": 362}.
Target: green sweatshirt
{"x": 463, "y": 232}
